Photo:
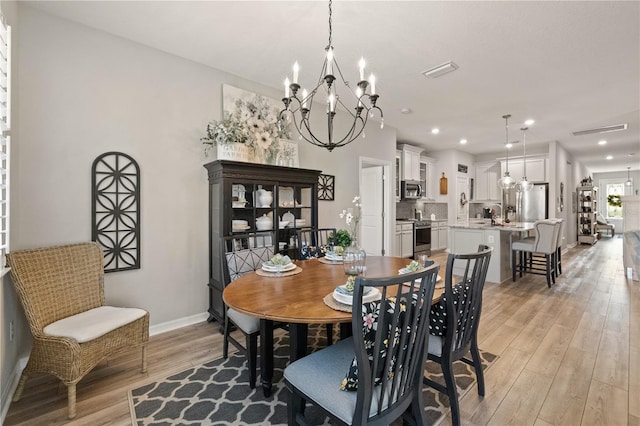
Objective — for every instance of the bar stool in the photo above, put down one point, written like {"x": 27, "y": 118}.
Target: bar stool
{"x": 558, "y": 254}
{"x": 544, "y": 243}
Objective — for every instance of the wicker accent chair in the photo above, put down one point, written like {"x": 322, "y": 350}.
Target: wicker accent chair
{"x": 62, "y": 292}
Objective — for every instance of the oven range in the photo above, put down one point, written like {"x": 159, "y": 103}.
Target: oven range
{"x": 421, "y": 236}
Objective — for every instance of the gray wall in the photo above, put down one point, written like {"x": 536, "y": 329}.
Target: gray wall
{"x": 83, "y": 92}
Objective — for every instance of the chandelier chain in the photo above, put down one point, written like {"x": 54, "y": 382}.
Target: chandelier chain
{"x": 330, "y": 26}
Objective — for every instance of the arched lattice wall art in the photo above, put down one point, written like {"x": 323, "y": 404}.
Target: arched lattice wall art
{"x": 115, "y": 222}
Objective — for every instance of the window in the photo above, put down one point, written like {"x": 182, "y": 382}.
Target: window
{"x": 614, "y": 192}
{"x": 5, "y": 138}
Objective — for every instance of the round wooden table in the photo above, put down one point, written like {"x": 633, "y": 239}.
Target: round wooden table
{"x": 298, "y": 300}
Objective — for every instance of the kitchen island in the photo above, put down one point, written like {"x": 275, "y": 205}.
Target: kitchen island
{"x": 465, "y": 238}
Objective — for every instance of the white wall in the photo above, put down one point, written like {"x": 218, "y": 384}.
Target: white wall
{"x": 448, "y": 161}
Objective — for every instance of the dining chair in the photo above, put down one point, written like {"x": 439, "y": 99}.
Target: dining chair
{"x": 524, "y": 252}
{"x": 382, "y": 362}
{"x": 244, "y": 253}
{"x": 454, "y": 321}
{"x": 314, "y": 242}
{"x": 62, "y": 292}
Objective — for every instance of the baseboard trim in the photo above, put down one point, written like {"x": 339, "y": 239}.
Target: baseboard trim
{"x": 7, "y": 394}
{"x": 177, "y": 323}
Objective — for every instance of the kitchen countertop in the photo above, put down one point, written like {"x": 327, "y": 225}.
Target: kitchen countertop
{"x": 506, "y": 227}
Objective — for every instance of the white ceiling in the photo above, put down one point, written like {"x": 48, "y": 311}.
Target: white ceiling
{"x": 570, "y": 65}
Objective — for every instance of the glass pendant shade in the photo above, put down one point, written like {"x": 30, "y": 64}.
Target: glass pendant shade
{"x": 506, "y": 181}
{"x": 628, "y": 182}
{"x": 524, "y": 184}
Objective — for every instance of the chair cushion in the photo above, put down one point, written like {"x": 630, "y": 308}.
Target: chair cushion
{"x": 438, "y": 315}
{"x": 525, "y": 244}
{"x": 89, "y": 325}
{"x": 435, "y": 345}
{"x": 316, "y": 376}
{"x": 371, "y": 312}
{"x": 246, "y": 323}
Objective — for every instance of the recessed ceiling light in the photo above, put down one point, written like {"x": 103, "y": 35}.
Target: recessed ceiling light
{"x": 509, "y": 145}
{"x": 609, "y": 157}
{"x": 435, "y": 130}
{"x": 463, "y": 141}
{"x": 602, "y": 142}
{"x": 405, "y": 110}
{"x": 529, "y": 122}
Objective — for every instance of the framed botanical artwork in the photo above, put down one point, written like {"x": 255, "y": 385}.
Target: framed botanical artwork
{"x": 326, "y": 187}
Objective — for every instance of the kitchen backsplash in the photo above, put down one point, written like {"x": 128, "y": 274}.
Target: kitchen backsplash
{"x": 406, "y": 209}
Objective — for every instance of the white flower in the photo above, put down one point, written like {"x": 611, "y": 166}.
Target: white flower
{"x": 263, "y": 140}
{"x": 352, "y": 217}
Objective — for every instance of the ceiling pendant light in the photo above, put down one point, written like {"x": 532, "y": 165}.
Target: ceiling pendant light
{"x": 628, "y": 182}
{"x": 524, "y": 184}
{"x": 506, "y": 181}
{"x": 300, "y": 110}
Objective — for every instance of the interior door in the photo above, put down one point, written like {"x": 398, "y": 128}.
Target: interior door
{"x": 372, "y": 197}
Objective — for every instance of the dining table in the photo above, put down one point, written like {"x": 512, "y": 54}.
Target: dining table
{"x": 298, "y": 299}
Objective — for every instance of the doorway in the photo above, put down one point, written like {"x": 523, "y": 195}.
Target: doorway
{"x": 375, "y": 196}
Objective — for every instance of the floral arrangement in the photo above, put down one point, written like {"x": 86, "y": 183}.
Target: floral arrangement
{"x": 252, "y": 122}
{"x": 614, "y": 200}
{"x": 352, "y": 217}
{"x": 341, "y": 240}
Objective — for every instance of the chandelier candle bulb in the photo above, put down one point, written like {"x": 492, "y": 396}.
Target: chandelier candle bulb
{"x": 329, "y": 61}
{"x": 332, "y": 103}
{"x": 359, "y": 95}
{"x": 304, "y": 98}
{"x": 286, "y": 87}
{"x": 296, "y": 69}
{"x": 372, "y": 82}
{"x": 361, "y": 64}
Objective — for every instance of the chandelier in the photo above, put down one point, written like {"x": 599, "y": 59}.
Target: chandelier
{"x": 506, "y": 181}
{"x": 524, "y": 184}
{"x": 298, "y": 107}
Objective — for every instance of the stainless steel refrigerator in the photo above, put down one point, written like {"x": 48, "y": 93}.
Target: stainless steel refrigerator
{"x": 528, "y": 206}
{"x": 533, "y": 205}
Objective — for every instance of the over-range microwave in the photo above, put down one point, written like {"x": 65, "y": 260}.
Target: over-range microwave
{"x": 411, "y": 190}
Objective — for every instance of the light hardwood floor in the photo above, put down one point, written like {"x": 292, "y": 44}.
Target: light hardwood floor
{"x": 569, "y": 355}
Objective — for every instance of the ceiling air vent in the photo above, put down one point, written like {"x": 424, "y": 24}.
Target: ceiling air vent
{"x": 605, "y": 129}
{"x": 440, "y": 70}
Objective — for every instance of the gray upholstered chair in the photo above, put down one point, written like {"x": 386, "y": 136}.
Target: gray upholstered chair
{"x": 385, "y": 362}
{"x": 543, "y": 243}
{"x": 454, "y": 322}
{"x": 244, "y": 253}
{"x": 602, "y": 225}
{"x": 62, "y": 292}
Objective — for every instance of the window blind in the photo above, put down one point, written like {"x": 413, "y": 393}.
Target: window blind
{"x": 5, "y": 136}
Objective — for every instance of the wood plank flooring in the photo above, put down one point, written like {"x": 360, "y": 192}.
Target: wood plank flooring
{"x": 569, "y": 355}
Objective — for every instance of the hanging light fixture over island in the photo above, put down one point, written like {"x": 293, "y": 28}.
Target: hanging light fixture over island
{"x": 299, "y": 108}
{"x": 506, "y": 181}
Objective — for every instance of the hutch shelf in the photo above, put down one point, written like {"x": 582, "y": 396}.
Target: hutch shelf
{"x": 240, "y": 196}
{"x": 587, "y": 209}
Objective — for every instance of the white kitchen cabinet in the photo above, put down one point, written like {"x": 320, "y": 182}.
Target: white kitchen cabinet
{"x": 426, "y": 177}
{"x": 411, "y": 162}
{"x": 439, "y": 235}
{"x": 486, "y": 183}
{"x": 404, "y": 239}
{"x": 536, "y": 169}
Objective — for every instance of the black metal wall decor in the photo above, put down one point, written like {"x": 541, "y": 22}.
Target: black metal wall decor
{"x": 115, "y": 210}
{"x": 326, "y": 187}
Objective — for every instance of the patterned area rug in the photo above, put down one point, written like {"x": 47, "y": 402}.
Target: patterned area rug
{"x": 217, "y": 393}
